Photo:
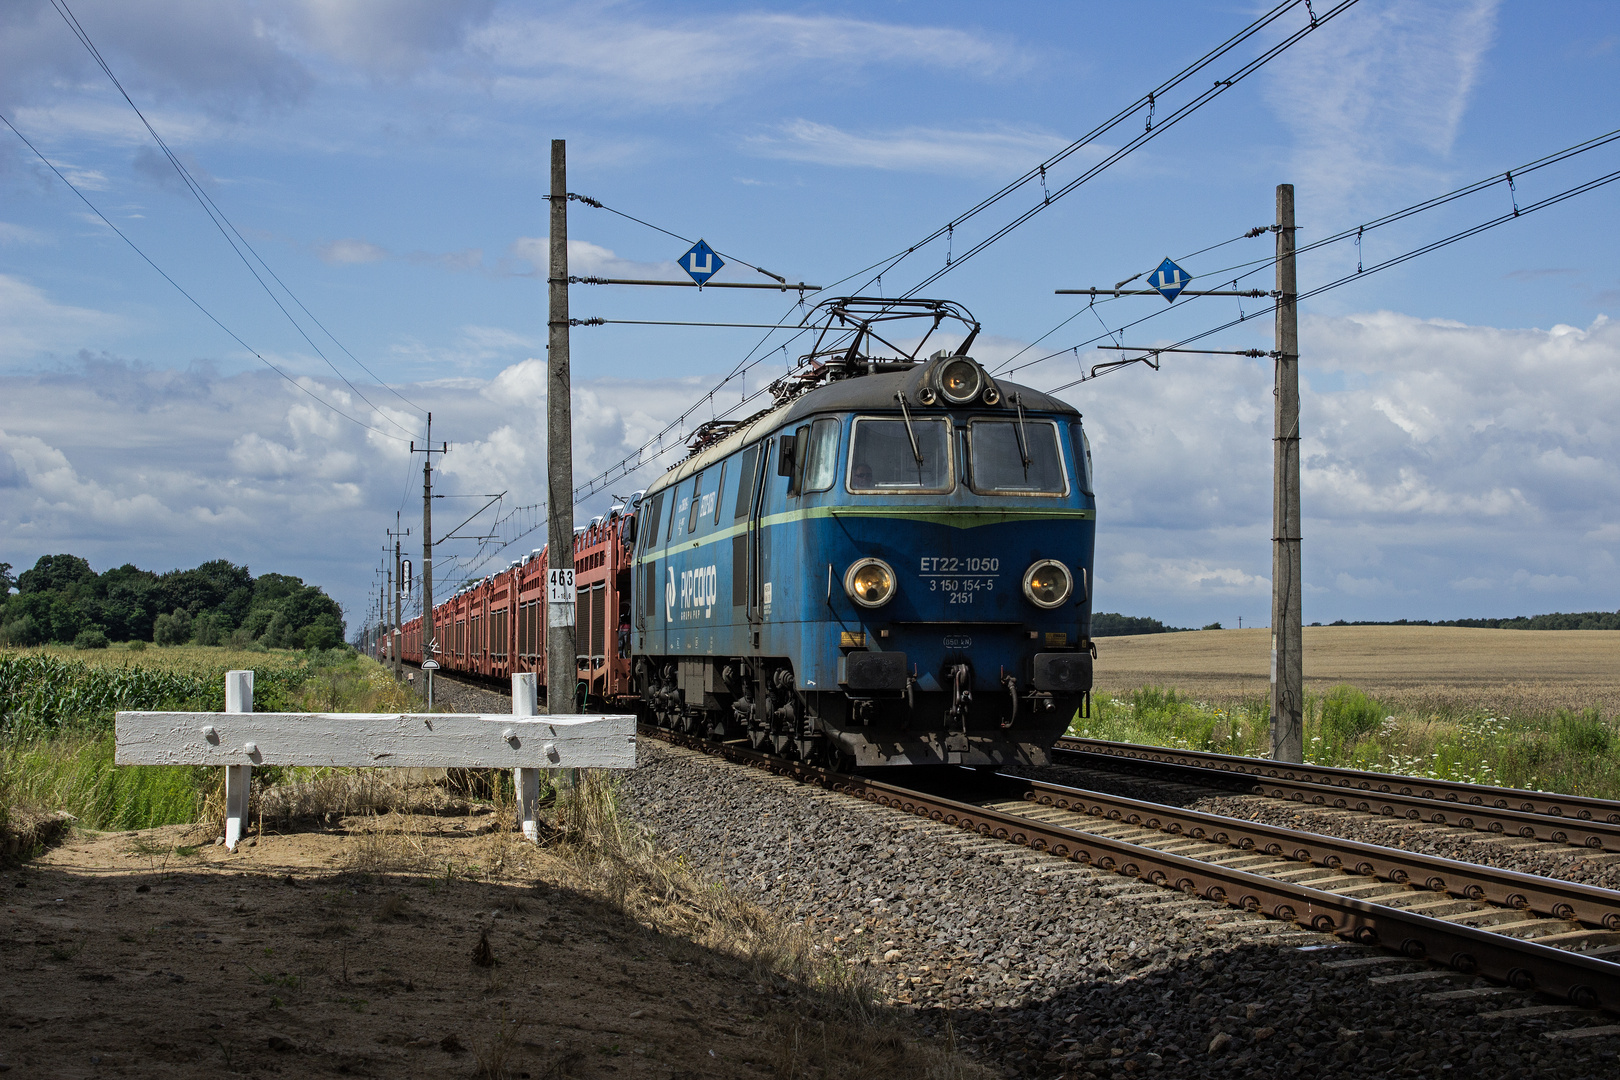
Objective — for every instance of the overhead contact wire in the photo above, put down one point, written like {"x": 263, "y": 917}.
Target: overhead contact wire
{"x": 217, "y": 217}
{"x": 181, "y": 290}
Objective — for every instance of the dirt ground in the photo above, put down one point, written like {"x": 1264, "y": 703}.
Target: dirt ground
{"x": 313, "y": 954}
{"x": 1536, "y": 669}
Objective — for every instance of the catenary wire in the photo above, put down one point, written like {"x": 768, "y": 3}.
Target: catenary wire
{"x": 1181, "y": 113}
{"x": 887, "y": 265}
{"x": 1356, "y": 230}
{"x": 179, "y": 288}
{"x": 229, "y": 230}
{"x": 1396, "y": 260}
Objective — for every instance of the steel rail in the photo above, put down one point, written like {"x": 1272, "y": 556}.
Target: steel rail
{"x": 1584, "y": 981}
{"x": 1588, "y": 904}
{"x": 1557, "y": 819}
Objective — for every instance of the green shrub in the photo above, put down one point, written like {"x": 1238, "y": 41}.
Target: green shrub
{"x": 136, "y": 646}
{"x": 90, "y": 638}
{"x": 172, "y": 629}
{"x": 1581, "y": 735}
{"x": 205, "y": 630}
{"x": 23, "y": 632}
{"x": 1348, "y": 714}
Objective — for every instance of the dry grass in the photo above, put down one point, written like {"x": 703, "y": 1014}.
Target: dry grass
{"x": 838, "y": 1029}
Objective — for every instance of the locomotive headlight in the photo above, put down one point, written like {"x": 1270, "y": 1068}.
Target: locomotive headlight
{"x": 960, "y": 381}
{"x": 1048, "y": 583}
{"x": 869, "y": 582}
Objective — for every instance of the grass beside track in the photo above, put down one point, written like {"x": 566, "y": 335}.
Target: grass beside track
{"x": 56, "y": 725}
{"x": 1576, "y": 753}
{"x": 1512, "y": 708}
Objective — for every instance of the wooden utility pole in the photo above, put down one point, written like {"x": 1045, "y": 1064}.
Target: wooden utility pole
{"x": 428, "y": 642}
{"x": 395, "y": 633}
{"x": 1287, "y": 634}
{"x": 561, "y": 663}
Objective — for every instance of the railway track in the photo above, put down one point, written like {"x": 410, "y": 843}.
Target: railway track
{"x": 1532, "y": 815}
{"x": 1531, "y": 933}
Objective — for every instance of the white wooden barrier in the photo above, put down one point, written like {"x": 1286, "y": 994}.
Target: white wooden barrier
{"x": 240, "y": 738}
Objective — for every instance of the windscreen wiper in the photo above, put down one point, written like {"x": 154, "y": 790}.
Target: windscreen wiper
{"x": 900, "y": 396}
{"x": 1023, "y": 440}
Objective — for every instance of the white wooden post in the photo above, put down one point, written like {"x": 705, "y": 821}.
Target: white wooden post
{"x": 238, "y": 778}
{"x": 525, "y": 781}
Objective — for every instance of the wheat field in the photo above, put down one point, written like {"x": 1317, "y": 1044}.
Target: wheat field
{"x": 1422, "y": 668}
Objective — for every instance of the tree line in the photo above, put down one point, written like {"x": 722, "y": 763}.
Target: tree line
{"x": 62, "y": 600}
{"x": 1107, "y": 624}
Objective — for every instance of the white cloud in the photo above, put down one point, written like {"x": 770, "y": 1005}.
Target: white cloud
{"x": 1376, "y": 99}
{"x": 351, "y": 250}
{"x": 34, "y": 323}
{"x": 692, "y": 62}
{"x": 21, "y": 234}
{"x": 385, "y": 37}
{"x": 54, "y": 489}
{"x": 937, "y": 150}
{"x": 586, "y": 259}
{"x": 1444, "y": 465}
{"x": 1139, "y": 572}
{"x": 1499, "y": 502}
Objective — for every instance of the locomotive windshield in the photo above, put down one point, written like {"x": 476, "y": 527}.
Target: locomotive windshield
{"x": 883, "y": 459}
{"x": 1012, "y": 457}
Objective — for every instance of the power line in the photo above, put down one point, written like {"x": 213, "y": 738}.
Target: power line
{"x": 1355, "y": 231}
{"x": 1515, "y": 214}
{"x": 194, "y": 301}
{"x": 1151, "y": 132}
{"x": 888, "y": 264}
{"x": 222, "y": 223}
{"x": 1508, "y": 177}
{"x": 588, "y": 201}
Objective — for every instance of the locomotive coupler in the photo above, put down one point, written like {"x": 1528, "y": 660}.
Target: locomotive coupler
{"x": 1011, "y": 683}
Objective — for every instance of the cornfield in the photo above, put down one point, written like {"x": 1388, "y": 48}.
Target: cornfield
{"x": 42, "y": 695}
{"x": 57, "y": 711}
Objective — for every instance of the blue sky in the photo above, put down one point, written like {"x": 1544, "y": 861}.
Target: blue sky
{"x": 389, "y": 160}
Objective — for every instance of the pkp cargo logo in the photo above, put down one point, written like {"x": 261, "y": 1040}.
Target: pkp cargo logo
{"x": 700, "y": 588}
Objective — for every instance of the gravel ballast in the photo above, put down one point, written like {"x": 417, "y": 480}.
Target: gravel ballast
{"x": 1562, "y": 861}
{"x": 1048, "y": 968}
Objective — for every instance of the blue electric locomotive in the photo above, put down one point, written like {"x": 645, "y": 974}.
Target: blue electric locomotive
{"x": 890, "y": 566}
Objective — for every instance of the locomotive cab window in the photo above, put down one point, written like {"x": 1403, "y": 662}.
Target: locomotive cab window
{"x": 821, "y": 458}
{"x": 883, "y": 458}
{"x": 1082, "y": 459}
{"x": 649, "y": 535}
{"x": 697, "y": 503}
{"x": 1012, "y": 457}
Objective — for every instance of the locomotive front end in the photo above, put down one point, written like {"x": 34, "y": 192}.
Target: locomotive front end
{"x": 961, "y": 542}
{"x": 890, "y": 566}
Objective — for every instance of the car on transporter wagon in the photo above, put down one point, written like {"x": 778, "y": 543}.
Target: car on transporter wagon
{"x": 890, "y": 565}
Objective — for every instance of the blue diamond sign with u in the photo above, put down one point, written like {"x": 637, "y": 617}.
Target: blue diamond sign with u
{"x": 1169, "y": 279}
{"x": 701, "y": 262}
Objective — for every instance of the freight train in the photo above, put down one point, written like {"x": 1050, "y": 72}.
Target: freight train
{"x": 890, "y": 565}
